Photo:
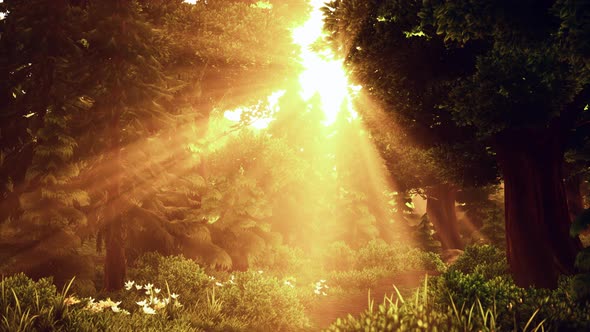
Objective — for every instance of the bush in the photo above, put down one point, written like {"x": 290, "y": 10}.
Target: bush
{"x": 513, "y": 306}
{"x": 261, "y": 302}
{"x": 339, "y": 257}
{"x": 86, "y": 321}
{"x": 503, "y": 307}
{"x": 486, "y": 260}
{"x": 418, "y": 314}
{"x": 396, "y": 258}
{"x": 281, "y": 261}
{"x": 30, "y": 294}
{"x": 356, "y": 279}
{"x": 183, "y": 275}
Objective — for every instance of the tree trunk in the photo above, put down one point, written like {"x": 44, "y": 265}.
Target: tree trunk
{"x": 440, "y": 208}
{"x": 573, "y": 193}
{"x": 539, "y": 247}
{"x": 115, "y": 265}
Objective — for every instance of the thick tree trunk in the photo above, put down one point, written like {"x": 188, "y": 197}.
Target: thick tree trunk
{"x": 539, "y": 247}
{"x": 573, "y": 193}
{"x": 440, "y": 208}
{"x": 115, "y": 265}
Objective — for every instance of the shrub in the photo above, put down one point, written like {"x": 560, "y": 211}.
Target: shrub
{"x": 30, "y": 294}
{"x": 513, "y": 306}
{"x": 281, "y": 261}
{"x": 261, "y": 302}
{"x": 375, "y": 253}
{"x": 339, "y": 257}
{"x": 486, "y": 260}
{"x": 183, "y": 275}
{"x": 419, "y": 314}
{"x": 396, "y": 258}
{"x": 356, "y": 279}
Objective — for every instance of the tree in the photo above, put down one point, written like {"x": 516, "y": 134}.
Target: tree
{"x": 127, "y": 87}
{"x": 520, "y": 87}
{"x": 408, "y": 73}
{"x": 42, "y": 83}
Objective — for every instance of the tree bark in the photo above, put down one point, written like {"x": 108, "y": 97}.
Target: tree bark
{"x": 440, "y": 208}
{"x": 573, "y": 193}
{"x": 115, "y": 266}
{"x": 539, "y": 247}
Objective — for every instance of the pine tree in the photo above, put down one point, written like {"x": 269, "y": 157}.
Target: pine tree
{"x": 128, "y": 84}
{"x": 43, "y": 79}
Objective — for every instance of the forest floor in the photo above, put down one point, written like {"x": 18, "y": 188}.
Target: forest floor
{"x": 329, "y": 308}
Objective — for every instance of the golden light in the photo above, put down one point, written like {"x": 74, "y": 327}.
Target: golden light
{"x": 257, "y": 116}
{"x": 324, "y": 77}
{"x": 323, "y": 73}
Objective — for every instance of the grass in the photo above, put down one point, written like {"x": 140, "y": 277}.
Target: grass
{"x": 473, "y": 295}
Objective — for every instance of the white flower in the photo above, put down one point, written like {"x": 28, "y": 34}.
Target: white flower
{"x": 322, "y": 281}
{"x": 211, "y": 278}
{"x": 317, "y": 292}
{"x": 217, "y": 283}
{"x": 115, "y": 309}
{"x": 148, "y": 286}
{"x": 260, "y": 271}
{"x": 142, "y": 303}
{"x": 174, "y": 295}
{"x": 138, "y": 286}
{"x": 324, "y": 293}
{"x": 129, "y": 284}
{"x": 148, "y": 310}
{"x": 157, "y": 290}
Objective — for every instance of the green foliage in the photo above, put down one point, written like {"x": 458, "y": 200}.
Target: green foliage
{"x": 468, "y": 282}
{"x": 339, "y": 257}
{"x": 357, "y": 279}
{"x": 420, "y": 314}
{"x": 581, "y": 223}
{"x": 282, "y": 261}
{"x": 485, "y": 260}
{"x": 581, "y": 281}
{"x": 424, "y": 234}
{"x": 362, "y": 269}
{"x": 29, "y": 293}
{"x": 262, "y": 302}
{"x": 181, "y": 274}
{"x": 469, "y": 302}
{"x": 396, "y": 257}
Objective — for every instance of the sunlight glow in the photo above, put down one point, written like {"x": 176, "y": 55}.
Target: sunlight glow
{"x": 324, "y": 74}
{"x": 262, "y": 5}
{"x": 257, "y": 116}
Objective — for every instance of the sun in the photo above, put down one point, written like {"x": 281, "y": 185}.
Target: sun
{"x": 324, "y": 73}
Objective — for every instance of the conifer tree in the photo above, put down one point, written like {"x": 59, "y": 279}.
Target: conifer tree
{"x": 43, "y": 80}
{"x": 127, "y": 86}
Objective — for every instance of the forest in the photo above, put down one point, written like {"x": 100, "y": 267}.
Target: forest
{"x": 294, "y": 165}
